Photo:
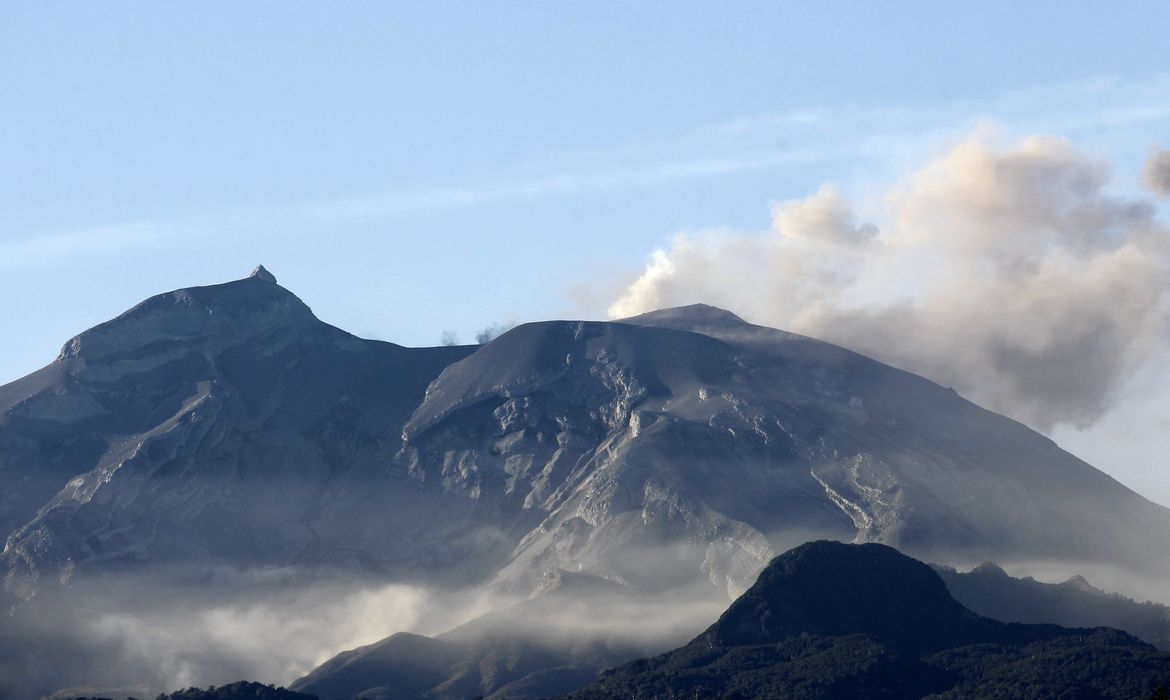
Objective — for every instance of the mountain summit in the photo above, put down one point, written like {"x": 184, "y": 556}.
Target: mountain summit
{"x": 206, "y": 425}
{"x": 833, "y": 589}
{"x": 261, "y": 273}
{"x": 690, "y": 317}
{"x": 217, "y": 315}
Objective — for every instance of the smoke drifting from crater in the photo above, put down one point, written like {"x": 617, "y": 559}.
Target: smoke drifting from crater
{"x": 1156, "y": 175}
{"x": 1006, "y": 271}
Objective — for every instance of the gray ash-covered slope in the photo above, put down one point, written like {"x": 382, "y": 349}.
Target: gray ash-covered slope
{"x": 212, "y": 424}
{"x": 832, "y": 620}
{"x": 227, "y": 423}
{"x": 691, "y": 427}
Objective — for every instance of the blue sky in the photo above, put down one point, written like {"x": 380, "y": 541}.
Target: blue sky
{"x": 414, "y": 168}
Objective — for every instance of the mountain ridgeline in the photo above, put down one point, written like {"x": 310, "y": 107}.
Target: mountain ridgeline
{"x": 226, "y": 428}
{"x": 991, "y": 592}
{"x": 227, "y": 423}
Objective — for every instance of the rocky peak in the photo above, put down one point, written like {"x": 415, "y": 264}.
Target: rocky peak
{"x": 261, "y": 273}
{"x": 1080, "y": 583}
{"x": 991, "y": 570}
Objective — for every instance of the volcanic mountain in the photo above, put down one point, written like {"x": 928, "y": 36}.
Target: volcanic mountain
{"x": 228, "y": 424}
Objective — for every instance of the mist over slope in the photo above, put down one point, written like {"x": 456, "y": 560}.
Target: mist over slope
{"x": 226, "y": 429}
{"x": 990, "y": 591}
{"x": 542, "y": 647}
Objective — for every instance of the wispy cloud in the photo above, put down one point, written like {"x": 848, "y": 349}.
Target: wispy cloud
{"x": 98, "y": 239}
{"x": 567, "y": 184}
{"x": 762, "y": 142}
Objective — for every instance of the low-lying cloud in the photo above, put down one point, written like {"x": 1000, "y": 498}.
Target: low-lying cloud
{"x": 147, "y": 633}
{"x": 150, "y": 633}
{"x": 1009, "y": 272}
{"x": 279, "y": 641}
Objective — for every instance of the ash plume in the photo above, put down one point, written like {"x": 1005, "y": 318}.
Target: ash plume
{"x": 1156, "y": 174}
{"x": 1009, "y": 272}
{"x": 489, "y": 333}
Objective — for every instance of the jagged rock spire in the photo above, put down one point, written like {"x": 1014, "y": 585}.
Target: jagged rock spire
{"x": 263, "y": 274}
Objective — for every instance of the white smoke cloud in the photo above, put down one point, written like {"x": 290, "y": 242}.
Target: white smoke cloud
{"x": 1008, "y": 272}
{"x": 1156, "y": 174}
